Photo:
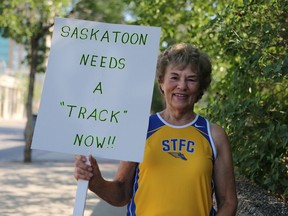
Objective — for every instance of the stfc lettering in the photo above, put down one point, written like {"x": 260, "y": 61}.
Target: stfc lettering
{"x": 178, "y": 145}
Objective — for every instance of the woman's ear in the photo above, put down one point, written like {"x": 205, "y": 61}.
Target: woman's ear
{"x": 160, "y": 88}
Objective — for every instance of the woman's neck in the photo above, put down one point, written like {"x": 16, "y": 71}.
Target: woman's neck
{"x": 177, "y": 118}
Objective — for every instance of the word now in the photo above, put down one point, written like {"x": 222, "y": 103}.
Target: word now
{"x": 89, "y": 140}
{"x": 103, "y": 115}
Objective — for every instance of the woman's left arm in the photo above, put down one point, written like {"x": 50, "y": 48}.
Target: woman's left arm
{"x": 225, "y": 188}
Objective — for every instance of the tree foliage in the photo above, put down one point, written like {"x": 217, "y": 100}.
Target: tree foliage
{"x": 247, "y": 42}
{"x": 111, "y": 11}
{"x": 24, "y": 20}
{"x": 181, "y": 21}
{"x": 252, "y": 99}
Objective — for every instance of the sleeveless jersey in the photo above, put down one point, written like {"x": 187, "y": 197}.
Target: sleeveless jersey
{"x": 175, "y": 177}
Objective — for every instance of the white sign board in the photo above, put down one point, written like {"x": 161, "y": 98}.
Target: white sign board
{"x": 98, "y": 89}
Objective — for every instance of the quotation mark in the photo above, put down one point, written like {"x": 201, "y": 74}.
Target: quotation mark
{"x": 62, "y": 103}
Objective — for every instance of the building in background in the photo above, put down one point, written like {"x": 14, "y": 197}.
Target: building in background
{"x": 13, "y": 75}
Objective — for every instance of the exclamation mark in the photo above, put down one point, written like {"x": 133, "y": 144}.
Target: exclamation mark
{"x": 111, "y": 141}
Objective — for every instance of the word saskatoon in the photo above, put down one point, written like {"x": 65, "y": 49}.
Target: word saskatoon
{"x": 104, "y": 36}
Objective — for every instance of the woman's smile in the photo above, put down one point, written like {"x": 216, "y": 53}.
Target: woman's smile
{"x": 181, "y": 88}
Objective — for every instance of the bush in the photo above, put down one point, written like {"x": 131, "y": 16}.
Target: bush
{"x": 252, "y": 98}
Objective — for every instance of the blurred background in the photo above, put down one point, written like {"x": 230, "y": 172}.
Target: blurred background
{"x": 247, "y": 42}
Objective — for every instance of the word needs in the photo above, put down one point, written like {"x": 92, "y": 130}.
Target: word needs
{"x": 102, "y": 61}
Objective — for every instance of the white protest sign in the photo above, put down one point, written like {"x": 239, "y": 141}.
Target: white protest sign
{"x": 98, "y": 89}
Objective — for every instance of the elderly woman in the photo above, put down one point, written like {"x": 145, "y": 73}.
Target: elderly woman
{"x": 186, "y": 157}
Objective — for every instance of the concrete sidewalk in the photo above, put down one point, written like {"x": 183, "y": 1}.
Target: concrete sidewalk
{"x": 46, "y": 186}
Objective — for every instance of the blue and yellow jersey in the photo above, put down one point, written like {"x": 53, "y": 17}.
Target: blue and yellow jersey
{"x": 175, "y": 177}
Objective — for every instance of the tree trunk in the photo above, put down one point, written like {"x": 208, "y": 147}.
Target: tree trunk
{"x": 29, "y": 108}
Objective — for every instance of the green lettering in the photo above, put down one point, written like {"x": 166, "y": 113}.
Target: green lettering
{"x": 121, "y": 63}
{"x": 94, "y": 33}
{"x": 75, "y": 33}
{"x": 82, "y": 112}
{"x": 134, "y": 38}
{"x": 78, "y": 139}
{"x": 116, "y": 35}
{"x": 84, "y": 59}
{"x": 98, "y": 88}
{"x": 93, "y": 60}
{"x": 65, "y": 31}
{"x": 83, "y": 35}
{"x": 71, "y": 108}
{"x": 100, "y": 117}
{"x": 93, "y": 114}
{"x": 113, "y": 116}
{"x": 143, "y": 39}
{"x": 125, "y": 37}
{"x": 113, "y": 63}
{"x": 90, "y": 142}
{"x": 103, "y": 61}
{"x": 100, "y": 144}
{"x": 105, "y": 36}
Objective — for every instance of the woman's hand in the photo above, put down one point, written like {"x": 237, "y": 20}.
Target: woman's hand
{"x": 117, "y": 192}
{"x": 88, "y": 170}
{"x": 82, "y": 168}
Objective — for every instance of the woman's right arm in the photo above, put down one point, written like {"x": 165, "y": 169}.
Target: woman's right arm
{"x": 117, "y": 192}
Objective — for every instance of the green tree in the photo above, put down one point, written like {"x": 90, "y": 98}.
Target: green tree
{"x": 180, "y": 20}
{"x": 111, "y": 11}
{"x": 252, "y": 98}
{"x": 29, "y": 22}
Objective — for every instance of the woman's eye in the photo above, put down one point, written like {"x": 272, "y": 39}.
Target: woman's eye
{"x": 192, "y": 80}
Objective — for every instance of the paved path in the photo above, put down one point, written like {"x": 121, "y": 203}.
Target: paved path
{"x": 46, "y": 186}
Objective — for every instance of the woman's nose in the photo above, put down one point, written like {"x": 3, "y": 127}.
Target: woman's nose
{"x": 182, "y": 85}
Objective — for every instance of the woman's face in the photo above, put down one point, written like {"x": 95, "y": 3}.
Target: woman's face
{"x": 181, "y": 88}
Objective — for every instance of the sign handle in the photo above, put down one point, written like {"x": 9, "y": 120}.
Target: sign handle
{"x": 81, "y": 193}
